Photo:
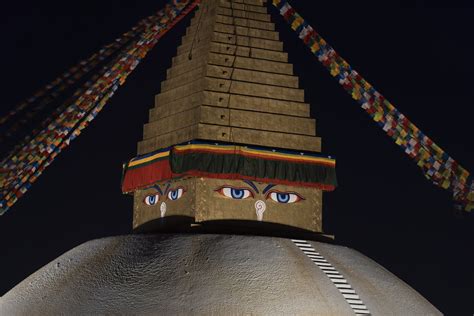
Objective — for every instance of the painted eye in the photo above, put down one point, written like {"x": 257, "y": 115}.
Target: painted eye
{"x": 235, "y": 193}
{"x": 284, "y": 197}
{"x": 151, "y": 199}
{"x": 175, "y": 194}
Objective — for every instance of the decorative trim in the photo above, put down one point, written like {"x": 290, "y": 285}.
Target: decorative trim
{"x": 230, "y": 161}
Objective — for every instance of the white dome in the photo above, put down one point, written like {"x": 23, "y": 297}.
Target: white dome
{"x": 205, "y": 274}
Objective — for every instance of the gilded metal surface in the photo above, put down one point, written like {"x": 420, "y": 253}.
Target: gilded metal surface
{"x": 231, "y": 81}
{"x": 165, "y": 206}
{"x": 206, "y": 199}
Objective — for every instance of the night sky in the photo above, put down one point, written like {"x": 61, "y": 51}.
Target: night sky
{"x": 418, "y": 56}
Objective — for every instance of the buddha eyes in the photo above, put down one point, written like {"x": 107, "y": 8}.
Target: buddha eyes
{"x": 175, "y": 194}
{"x": 151, "y": 199}
{"x": 235, "y": 193}
{"x": 274, "y": 195}
{"x": 284, "y": 197}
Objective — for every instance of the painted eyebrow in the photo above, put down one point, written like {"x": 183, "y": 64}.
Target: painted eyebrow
{"x": 157, "y": 188}
{"x": 268, "y": 187}
{"x": 252, "y": 185}
{"x": 167, "y": 186}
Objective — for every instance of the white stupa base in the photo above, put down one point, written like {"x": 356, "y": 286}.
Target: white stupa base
{"x": 204, "y": 274}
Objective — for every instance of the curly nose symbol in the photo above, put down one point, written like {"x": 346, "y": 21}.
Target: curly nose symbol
{"x": 260, "y": 207}
{"x": 163, "y": 209}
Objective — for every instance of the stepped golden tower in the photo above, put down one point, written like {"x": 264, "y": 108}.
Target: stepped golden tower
{"x": 231, "y": 89}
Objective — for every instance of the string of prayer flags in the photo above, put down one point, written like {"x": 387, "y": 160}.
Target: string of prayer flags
{"x": 436, "y": 165}
{"x": 21, "y": 116}
{"x": 20, "y": 170}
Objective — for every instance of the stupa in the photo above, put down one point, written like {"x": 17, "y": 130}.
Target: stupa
{"x": 227, "y": 190}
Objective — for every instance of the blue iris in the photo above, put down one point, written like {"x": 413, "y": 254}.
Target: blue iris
{"x": 174, "y": 194}
{"x": 283, "y": 197}
{"x": 237, "y": 193}
{"x": 152, "y": 199}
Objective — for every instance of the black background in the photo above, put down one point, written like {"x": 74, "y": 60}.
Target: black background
{"x": 417, "y": 54}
